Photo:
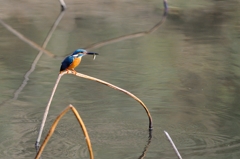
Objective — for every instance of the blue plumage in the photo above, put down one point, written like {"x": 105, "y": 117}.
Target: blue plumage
{"x": 73, "y": 60}
{"x": 66, "y": 62}
{"x": 69, "y": 59}
{"x": 78, "y": 51}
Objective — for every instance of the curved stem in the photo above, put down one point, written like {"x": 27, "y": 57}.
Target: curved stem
{"x": 54, "y": 125}
{"x": 117, "y": 88}
{"x": 46, "y": 112}
{"x": 93, "y": 79}
{"x": 63, "y": 5}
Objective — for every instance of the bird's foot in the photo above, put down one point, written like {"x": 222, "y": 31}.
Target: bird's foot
{"x": 67, "y": 71}
{"x": 75, "y": 72}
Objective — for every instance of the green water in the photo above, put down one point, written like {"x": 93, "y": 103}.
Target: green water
{"x": 186, "y": 72}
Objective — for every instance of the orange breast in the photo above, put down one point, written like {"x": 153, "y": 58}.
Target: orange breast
{"x": 75, "y": 63}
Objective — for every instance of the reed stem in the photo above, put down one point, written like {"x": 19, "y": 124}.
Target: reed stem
{"x": 46, "y": 112}
{"x": 93, "y": 79}
{"x": 54, "y": 125}
{"x": 173, "y": 145}
{"x": 117, "y": 88}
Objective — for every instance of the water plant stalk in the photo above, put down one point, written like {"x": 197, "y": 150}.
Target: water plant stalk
{"x": 173, "y": 145}
{"x": 25, "y": 39}
{"x": 46, "y": 113}
{"x": 26, "y": 76}
{"x": 54, "y": 125}
{"x": 133, "y": 35}
{"x": 63, "y": 5}
{"x": 93, "y": 79}
{"x": 119, "y": 89}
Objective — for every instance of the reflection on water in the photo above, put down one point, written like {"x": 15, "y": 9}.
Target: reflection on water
{"x": 187, "y": 73}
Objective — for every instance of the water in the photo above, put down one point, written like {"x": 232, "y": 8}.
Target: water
{"x": 186, "y": 72}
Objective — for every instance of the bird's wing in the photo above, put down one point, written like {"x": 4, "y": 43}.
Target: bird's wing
{"x": 66, "y": 63}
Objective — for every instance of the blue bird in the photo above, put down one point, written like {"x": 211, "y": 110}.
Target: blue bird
{"x": 72, "y": 61}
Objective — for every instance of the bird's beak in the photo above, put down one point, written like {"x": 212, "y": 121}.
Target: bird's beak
{"x": 92, "y": 53}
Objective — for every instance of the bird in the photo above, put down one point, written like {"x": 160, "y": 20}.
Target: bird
{"x": 73, "y": 60}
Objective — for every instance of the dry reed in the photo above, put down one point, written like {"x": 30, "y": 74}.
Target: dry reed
{"x": 54, "y": 125}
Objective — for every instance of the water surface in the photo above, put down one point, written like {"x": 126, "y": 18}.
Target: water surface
{"x": 186, "y": 72}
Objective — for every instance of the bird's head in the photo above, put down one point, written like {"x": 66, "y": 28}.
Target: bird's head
{"x": 82, "y": 52}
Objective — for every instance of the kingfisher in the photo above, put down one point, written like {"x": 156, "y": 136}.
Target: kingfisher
{"x": 73, "y": 60}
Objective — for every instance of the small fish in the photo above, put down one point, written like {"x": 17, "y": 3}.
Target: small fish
{"x": 94, "y": 56}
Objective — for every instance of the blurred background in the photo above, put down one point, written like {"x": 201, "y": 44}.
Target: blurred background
{"x": 187, "y": 73}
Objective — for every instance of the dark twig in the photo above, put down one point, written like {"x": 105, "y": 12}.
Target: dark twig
{"x": 33, "y": 66}
{"x": 38, "y": 56}
{"x": 134, "y": 35}
{"x": 93, "y": 46}
{"x": 23, "y": 38}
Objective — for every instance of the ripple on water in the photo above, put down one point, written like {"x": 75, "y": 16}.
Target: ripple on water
{"x": 17, "y": 147}
{"x": 106, "y": 136}
{"x": 18, "y": 132}
{"x": 62, "y": 148}
{"x": 206, "y": 143}
{"x": 199, "y": 131}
